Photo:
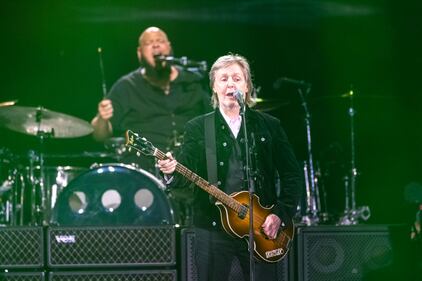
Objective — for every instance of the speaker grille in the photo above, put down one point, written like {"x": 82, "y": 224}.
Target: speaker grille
{"x": 21, "y": 247}
{"x": 111, "y": 246}
{"x": 162, "y": 275}
{"x": 22, "y": 276}
{"x": 189, "y": 270}
{"x": 342, "y": 253}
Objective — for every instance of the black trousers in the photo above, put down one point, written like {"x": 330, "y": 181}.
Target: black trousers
{"x": 214, "y": 254}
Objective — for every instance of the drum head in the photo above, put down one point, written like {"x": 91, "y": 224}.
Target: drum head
{"x": 113, "y": 194}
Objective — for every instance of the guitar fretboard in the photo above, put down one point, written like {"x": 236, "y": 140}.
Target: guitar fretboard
{"x": 205, "y": 185}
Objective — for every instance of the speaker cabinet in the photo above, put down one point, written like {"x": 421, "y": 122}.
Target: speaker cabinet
{"x": 21, "y": 247}
{"x": 79, "y": 247}
{"x": 146, "y": 275}
{"x": 189, "y": 270}
{"x": 343, "y": 252}
{"x": 22, "y": 276}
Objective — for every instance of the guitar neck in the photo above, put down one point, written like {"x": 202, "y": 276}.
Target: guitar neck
{"x": 203, "y": 184}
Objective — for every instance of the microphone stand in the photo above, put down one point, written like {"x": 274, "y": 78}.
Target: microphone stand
{"x": 251, "y": 189}
{"x": 311, "y": 217}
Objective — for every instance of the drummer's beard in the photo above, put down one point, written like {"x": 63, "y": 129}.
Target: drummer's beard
{"x": 161, "y": 71}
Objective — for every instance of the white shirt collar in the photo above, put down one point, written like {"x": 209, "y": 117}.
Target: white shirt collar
{"x": 234, "y": 124}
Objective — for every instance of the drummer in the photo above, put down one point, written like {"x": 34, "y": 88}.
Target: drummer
{"x": 154, "y": 100}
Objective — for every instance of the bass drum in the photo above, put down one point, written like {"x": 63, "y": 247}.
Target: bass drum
{"x": 113, "y": 194}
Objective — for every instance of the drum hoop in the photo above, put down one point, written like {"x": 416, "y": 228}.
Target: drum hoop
{"x": 98, "y": 165}
{"x": 158, "y": 185}
{"x": 153, "y": 178}
{"x": 58, "y": 167}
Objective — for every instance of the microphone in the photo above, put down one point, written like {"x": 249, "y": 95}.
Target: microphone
{"x": 279, "y": 81}
{"x": 161, "y": 58}
{"x": 238, "y": 95}
{"x": 182, "y": 61}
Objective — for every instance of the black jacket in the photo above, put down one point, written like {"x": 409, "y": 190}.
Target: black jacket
{"x": 274, "y": 154}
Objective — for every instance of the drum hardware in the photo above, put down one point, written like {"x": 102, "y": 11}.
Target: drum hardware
{"x": 346, "y": 218}
{"x": 39, "y": 121}
{"x": 113, "y": 194}
{"x": 175, "y": 141}
{"x": 6, "y": 197}
{"x": 324, "y": 215}
{"x": 38, "y": 193}
{"x": 311, "y": 215}
{"x": 352, "y": 214}
{"x": 8, "y": 103}
{"x": 266, "y": 105}
{"x": 44, "y": 124}
{"x": 10, "y": 197}
{"x": 117, "y": 146}
{"x": 5, "y": 212}
{"x": 54, "y": 180}
{"x": 6, "y": 185}
{"x": 310, "y": 212}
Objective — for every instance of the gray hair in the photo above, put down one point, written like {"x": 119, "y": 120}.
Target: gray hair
{"x": 225, "y": 61}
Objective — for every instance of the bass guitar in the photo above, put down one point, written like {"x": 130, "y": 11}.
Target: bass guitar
{"x": 234, "y": 208}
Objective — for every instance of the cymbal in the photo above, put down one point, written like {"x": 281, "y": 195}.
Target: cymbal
{"x": 350, "y": 94}
{"x": 40, "y": 121}
{"x": 8, "y": 103}
{"x": 265, "y": 105}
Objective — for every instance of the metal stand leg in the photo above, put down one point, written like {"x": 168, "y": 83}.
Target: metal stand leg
{"x": 312, "y": 209}
{"x": 351, "y": 213}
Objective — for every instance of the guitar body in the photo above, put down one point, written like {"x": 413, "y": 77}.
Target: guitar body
{"x": 234, "y": 208}
{"x": 264, "y": 248}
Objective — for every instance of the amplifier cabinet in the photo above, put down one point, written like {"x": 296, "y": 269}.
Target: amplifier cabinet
{"x": 82, "y": 247}
{"x": 343, "y": 252}
{"x": 139, "y": 275}
{"x": 21, "y": 247}
{"x": 189, "y": 269}
{"x": 22, "y": 276}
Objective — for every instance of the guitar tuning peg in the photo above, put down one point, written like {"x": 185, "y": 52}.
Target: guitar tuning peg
{"x": 138, "y": 154}
{"x": 129, "y": 149}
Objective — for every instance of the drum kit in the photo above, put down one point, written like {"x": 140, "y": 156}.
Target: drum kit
{"x": 33, "y": 193}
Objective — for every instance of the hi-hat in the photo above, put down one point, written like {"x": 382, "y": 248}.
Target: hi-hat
{"x": 40, "y": 121}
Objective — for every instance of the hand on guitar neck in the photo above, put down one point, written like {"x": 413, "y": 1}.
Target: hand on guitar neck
{"x": 168, "y": 165}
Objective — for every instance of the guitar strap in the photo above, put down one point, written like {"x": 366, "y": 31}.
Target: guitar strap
{"x": 210, "y": 148}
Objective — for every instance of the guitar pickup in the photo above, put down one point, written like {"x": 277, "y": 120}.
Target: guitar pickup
{"x": 243, "y": 212}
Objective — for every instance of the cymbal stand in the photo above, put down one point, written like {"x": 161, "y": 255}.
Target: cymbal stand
{"x": 320, "y": 187}
{"x": 311, "y": 213}
{"x": 40, "y": 194}
{"x": 351, "y": 213}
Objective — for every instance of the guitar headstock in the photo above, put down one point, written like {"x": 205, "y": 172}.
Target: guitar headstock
{"x": 141, "y": 144}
